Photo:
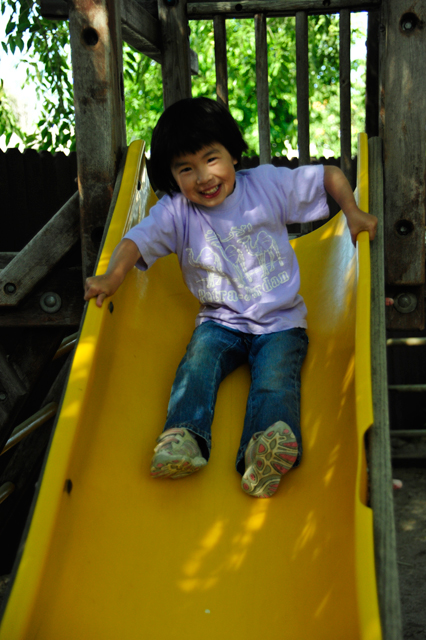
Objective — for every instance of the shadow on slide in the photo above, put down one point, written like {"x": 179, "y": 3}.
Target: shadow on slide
{"x": 111, "y": 554}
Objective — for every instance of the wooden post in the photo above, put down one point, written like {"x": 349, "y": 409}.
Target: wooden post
{"x": 403, "y": 129}
{"x": 302, "y": 74}
{"x": 379, "y": 440}
{"x": 96, "y": 53}
{"x": 176, "y": 67}
{"x": 221, "y": 59}
{"x": 262, "y": 87}
{"x": 372, "y": 79}
{"x": 345, "y": 93}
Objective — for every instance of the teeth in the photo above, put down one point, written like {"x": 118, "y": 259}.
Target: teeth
{"x": 211, "y": 191}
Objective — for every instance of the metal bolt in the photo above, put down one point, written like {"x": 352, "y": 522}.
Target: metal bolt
{"x": 404, "y": 227}
{"x": 50, "y": 302}
{"x": 405, "y": 302}
{"x": 9, "y": 288}
{"x": 409, "y": 22}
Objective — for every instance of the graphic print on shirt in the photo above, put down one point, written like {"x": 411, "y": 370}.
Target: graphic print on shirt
{"x": 227, "y": 258}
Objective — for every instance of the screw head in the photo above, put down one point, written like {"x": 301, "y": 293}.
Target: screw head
{"x": 50, "y": 302}
{"x": 9, "y": 288}
{"x": 405, "y": 302}
{"x": 409, "y": 22}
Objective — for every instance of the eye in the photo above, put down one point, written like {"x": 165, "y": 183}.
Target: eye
{"x": 185, "y": 170}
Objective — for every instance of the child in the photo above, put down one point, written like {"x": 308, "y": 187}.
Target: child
{"x": 229, "y": 232}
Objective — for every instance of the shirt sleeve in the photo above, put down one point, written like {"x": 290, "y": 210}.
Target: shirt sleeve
{"x": 302, "y": 192}
{"x": 155, "y": 235}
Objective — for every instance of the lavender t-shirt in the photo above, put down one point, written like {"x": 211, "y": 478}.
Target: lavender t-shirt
{"x": 236, "y": 258}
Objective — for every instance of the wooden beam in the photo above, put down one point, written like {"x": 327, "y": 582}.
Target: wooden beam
{"x": 96, "y": 54}
{"x": 6, "y": 257}
{"x": 221, "y": 61}
{"x": 22, "y": 363}
{"x": 248, "y": 8}
{"x": 141, "y": 29}
{"x": 403, "y": 129}
{"x": 176, "y": 68}
{"x": 345, "y": 93}
{"x": 302, "y": 73}
{"x": 302, "y": 87}
{"x": 40, "y": 255}
{"x": 57, "y": 301}
{"x": 372, "y": 76}
{"x": 24, "y": 462}
{"x": 139, "y": 24}
{"x": 379, "y": 436}
{"x": 13, "y": 390}
{"x": 262, "y": 88}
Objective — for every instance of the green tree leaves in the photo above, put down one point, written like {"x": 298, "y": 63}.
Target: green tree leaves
{"x": 46, "y": 54}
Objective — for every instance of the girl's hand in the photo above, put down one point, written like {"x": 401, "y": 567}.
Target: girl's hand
{"x": 100, "y": 287}
{"x": 123, "y": 258}
{"x": 358, "y": 221}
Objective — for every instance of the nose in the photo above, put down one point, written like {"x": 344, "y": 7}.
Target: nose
{"x": 203, "y": 175}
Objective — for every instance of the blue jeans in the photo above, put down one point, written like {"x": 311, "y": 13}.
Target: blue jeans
{"x": 275, "y": 361}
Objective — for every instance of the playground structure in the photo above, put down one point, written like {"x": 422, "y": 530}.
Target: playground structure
{"x": 96, "y": 36}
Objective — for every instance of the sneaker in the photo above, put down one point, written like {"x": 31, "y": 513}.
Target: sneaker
{"x": 269, "y": 455}
{"x": 177, "y": 454}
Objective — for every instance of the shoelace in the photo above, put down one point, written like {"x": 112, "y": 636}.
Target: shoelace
{"x": 168, "y": 439}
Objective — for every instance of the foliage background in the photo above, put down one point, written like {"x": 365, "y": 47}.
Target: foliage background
{"x": 44, "y": 45}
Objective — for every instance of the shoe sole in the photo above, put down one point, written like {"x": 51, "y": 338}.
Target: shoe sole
{"x": 275, "y": 454}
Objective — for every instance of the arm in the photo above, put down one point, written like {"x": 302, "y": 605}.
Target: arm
{"x": 338, "y": 187}
{"x": 124, "y": 258}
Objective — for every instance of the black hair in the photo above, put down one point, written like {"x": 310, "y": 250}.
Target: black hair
{"x": 186, "y": 127}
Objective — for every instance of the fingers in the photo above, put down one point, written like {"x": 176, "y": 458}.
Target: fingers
{"x": 100, "y": 298}
{"x": 96, "y": 287}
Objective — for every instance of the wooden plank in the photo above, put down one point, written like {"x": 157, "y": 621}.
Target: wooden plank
{"x": 248, "y": 8}
{"x": 403, "y": 129}
{"x": 16, "y": 207}
{"x": 141, "y": 29}
{"x": 96, "y": 54}
{"x": 40, "y": 255}
{"x": 6, "y": 220}
{"x": 372, "y": 75}
{"x": 262, "y": 88}
{"x": 23, "y": 466}
{"x": 22, "y": 363}
{"x": 13, "y": 389}
{"x": 221, "y": 62}
{"x": 33, "y": 185}
{"x": 56, "y": 302}
{"x": 176, "y": 68}
{"x": 302, "y": 74}
{"x": 379, "y": 438}
{"x": 345, "y": 92}
{"x": 6, "y": 257}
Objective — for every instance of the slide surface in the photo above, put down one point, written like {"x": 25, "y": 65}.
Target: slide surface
{"x": 112, "y": 554}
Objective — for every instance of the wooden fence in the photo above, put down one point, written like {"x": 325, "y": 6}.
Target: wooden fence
{"x": 33, "y": 187}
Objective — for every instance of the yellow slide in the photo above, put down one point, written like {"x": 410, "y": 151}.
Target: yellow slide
{"x": 112, "y": 554}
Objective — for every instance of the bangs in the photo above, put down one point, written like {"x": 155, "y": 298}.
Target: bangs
{"x": 185, "y": 128}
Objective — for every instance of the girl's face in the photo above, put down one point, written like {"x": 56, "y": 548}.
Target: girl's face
{"x": 206, "y": 177}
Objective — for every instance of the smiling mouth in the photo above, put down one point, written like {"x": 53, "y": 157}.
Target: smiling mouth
{"x": 210, "y": 193}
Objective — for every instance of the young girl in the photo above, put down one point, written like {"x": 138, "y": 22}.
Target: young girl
{"x": 229, "y": 232}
